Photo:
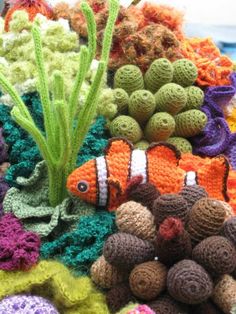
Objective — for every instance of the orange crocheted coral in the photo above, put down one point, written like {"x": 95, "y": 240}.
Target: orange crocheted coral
{"x": 213, "y": 68}
{"x": 32, "y": 7}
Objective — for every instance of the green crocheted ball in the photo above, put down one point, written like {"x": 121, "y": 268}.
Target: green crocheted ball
{"x": 185, "y": 72}
{"x": 183, "y": 145}
{"x": 121, "y": 99}
{"x": 129, "y": 77}
{"x": 159, "y": 127}
{"x": 108, "y": 111}
{"x": 141, "y": 105}
{"x": 127, "y": 127}
{"x": 170, "y": 98}
{"x": 195, "y": 97}
{"x": 190, "y": 123}
{"x": 159, "y": 73}
{"x": 142, "y": 145}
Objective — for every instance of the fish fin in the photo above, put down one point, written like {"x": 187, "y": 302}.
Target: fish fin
{"x": 116, "y": 193}
{"x": 115, "y": 186}
{"x": 213, "y": 176}
{"x": 133, "y": 183}
{"x": 166, "y": 151}
{"x": 118, "y": 145}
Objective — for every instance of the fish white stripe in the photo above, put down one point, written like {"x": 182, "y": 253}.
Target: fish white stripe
{"x": 139, "y": 164}
{"x": 191, "y": 178}
{"x": 102, "y": 180}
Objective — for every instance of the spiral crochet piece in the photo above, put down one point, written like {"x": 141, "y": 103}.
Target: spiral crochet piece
{"x": 106, "y": 275}
{"x": 26, "y": 304}
{"x": 173, "y": 243}
{"x": 127, "y": 127}
{"x": 158, "y": 74}
{"x": 190, "y": 123}
{"x": 129, "y": 77}
{"x": 134, "y": 218}
{"x": 121, "y": 99}
{"x": 189, "y": 283}
{"x": 224, "y": 294}
{"x": 125, "y": 250}
{"x": 159, "y": 127}
{"x": 193, "y": 193}
{"x": 229, "y": 230}
{"x": 118, "y": 296}
{"x": 170, "y": 98}
{"x": 144, "y": 194}
{"x": 216, "y": 254}
{"x": 183, "y": 145}
{"x": 195, "y": 97}
{"x": 185, "y": 72}
{"x": 166, "y": 205}
{"x": 148, "y": 280}
{"x": 165, "y": 304}
{"x": 206, "y": 219}
{"x": 141, "y": 105}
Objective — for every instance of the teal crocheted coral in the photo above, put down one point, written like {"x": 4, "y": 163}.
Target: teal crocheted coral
{"x": 190, "y": 123}
{"x": 195, "y": 97}
{"x": 185, "y": 72}
{"x": 183, "y": 145}
{"x": 129, "y": 77}
{"x": 159, "y": 73}
{"x": 171, "y": 98}
{"x": 81, "y": 247}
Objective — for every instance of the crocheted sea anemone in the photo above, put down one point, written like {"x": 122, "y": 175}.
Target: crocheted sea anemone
{"x": 185, "y": 72}
{"x": 182, "y": 144}
{"x": 129, "y": 77}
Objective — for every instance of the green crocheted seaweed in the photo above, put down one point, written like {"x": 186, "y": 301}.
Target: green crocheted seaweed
{"x": 129, "y": 77}
{"x": 190, "y": 123}
{"x": 143, "y": 145}
{"x": 183, "y": 145}
{"x": 170, "y": 98}
{"x": 195, "y": 97}
{"x": 185, "y": 72}
{"x": 141, "y": 105}
{"x": 159, "y": 73}
{"x": 159, "y": 127}
{"x": 121, "y": 99}
{"x": 82, "y": 246}
{"x": 65, "y": 125}
{"x": 127, "y": 127}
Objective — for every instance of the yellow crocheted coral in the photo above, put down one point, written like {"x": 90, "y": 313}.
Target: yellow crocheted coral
{"x": 232, "y": 120}
{"x": 53, "y": 280}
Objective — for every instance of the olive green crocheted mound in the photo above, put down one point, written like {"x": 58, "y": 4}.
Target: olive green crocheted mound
{"x": 183, "y": 145}
{"x": 185, "y": 72}
{"x": 159, "y": 127}
{"x": 121, "y": 99}
{"x": 143, "y": 145}
{"x": 130, "y": 78}
{"x": 195, "y": 97}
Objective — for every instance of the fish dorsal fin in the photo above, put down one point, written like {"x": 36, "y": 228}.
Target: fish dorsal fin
{"x": 164, "y": 151}
{"x": 118, "y": 145}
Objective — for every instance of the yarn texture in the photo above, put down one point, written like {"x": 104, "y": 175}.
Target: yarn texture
{"x": 224, "y": 294}
{"x": 195, "y": 97}
{"x": 129, "y": 78}
{"x": 118, "y": 297}
{"x": 165, "y": 304}
{"x": 182, "y": 144}
{"x": 192, "y": 194}
{"x": 185, "y": 72}
{"x": 229, "y": 230}
{"x": 121, "y": 99}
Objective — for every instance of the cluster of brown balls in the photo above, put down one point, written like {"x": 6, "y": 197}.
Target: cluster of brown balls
{"x": 174, "y": 252}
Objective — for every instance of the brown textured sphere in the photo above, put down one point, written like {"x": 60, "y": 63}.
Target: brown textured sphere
{"x": 224, "y": 294}
{"x": 134, "y": 218}
{"x": 144, "y": 194}
{"x": 206, "y": 218}
{"x": 118, "y": 296}
{"x": 106, "y": 275}
{"x": 188, "y": 282}
{"x": 216, "y": 254}
{"x": 124, "y": 250}
{"x": 193, "y": 193}
{"x": 229, "y": 229}
{"x": 148, "y": 280}
{"x": 173, "y": 205}
{"x": 167, "y": 305}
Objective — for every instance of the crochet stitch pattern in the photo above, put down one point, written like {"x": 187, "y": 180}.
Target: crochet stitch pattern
{"x": 130, "y": 78}
{"x": 118, "y": 296}
{"x": 224, "y": 294}
{"x": 165, "y": 304}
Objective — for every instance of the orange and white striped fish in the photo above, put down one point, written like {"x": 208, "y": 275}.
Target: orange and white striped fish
{"x": 103, "y": 181}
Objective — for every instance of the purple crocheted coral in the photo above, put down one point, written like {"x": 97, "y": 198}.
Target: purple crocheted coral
{"x": 3, "y": 148}
{"x": 19, "y": 249}
{"x": 26, "y": 304}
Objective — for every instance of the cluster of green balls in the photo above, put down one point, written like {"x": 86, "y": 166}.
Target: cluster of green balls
{"x": 162, "y": 105}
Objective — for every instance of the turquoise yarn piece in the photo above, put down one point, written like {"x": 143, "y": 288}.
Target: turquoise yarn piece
{"x": 23, "y": 152}
{"x": 81, "y": 247}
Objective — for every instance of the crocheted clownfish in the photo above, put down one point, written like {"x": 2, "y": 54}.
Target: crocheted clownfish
{"x": 103, "y": 181}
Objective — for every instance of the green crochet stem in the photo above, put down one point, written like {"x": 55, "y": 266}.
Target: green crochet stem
{"x": 66, "y": 124}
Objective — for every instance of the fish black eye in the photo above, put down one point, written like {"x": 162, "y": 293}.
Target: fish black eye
{"x": 83, "y": 186}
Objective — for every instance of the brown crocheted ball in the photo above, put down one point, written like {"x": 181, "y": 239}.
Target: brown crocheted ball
{"x": 193, "y": 193}
{"x": 224, "y": 294}
{"x": 148, "y": 280}
{"x": 166, "y": 205}
{"x": 118, "y": 297}
{"x": 126, "y": 250}
{"x": 207, "y": 307}
{"x": 173, "y": 242}
{"x": 106, "y": 275}
{"x": 167, "y": 305}
{"x": 133, "y": 218}
{"x": 229, "y": 230}
{"x": 188, "y": 282}
{"x": 206, "y": 218}
{"x": 216, "y": 254}
{"x": 144, "y": 194}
